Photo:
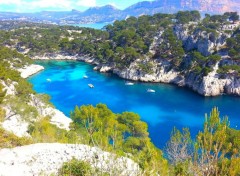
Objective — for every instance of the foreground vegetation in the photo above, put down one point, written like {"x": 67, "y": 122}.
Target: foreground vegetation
{"x": 214, "y": 151}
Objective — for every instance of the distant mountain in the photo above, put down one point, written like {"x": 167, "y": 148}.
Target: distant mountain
{"x": 101, "y": 10}
{"x": 152, "y": 7}
{"x": 110, "y": 13}
{"x": 171, "y": 6}
{"x": 106, "y": 13}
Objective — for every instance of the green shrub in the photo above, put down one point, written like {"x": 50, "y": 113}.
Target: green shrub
{"x": 206, "y": 70}
{"x": 9, "y": 140}
{"x": 2, "y": 93}
{"x": 2, "y": 114}
{"x": 75, "y": 168}
{"x": 44, "y": 131}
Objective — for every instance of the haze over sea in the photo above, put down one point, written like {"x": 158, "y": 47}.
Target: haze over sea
{"x": 170, "y": 106}
{"x": 92, "y": 25}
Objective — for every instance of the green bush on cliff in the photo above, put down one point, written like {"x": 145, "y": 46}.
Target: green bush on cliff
{"x": 43, "y": 131}
{"x": 118, "y": 132}
{"x": 233, "y": 45}
{"x": 231, "y": 69}
{"x": 2, "y": 115}
{"x": 2, "y": 93}
{"x": 9, "y": 140}
{"x": 171, "y": 49}
{"x": 75, "y": 168}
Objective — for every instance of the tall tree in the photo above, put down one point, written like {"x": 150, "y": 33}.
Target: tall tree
{"x": 210, "y": 149}
{"x": 180, "y": 146}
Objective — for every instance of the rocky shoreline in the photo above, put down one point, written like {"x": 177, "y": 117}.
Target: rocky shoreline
{"x": 210, "y": 85}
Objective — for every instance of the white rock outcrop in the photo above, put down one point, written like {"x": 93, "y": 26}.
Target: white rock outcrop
{"x": 30, "y": 70}
{"x": 158, "y": 76}
{"x": 46, "y": 159}
{"x": 56, "y": 56}
{"x": 204, "y": 42}
{"x": 9, "y": 87}
{"x": 104, "y": 69}
{"x": 16, "y": 125}
{"x": 57, "y": 117}
{"x": 159, "y": 73}
{"x": 213, "y": 85}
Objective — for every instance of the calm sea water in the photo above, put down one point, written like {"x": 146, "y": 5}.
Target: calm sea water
{"x": 169, "y": 106}
{"x": 92, "y": 25}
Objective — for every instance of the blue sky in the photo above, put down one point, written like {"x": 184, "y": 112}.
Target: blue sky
{"x": 59, "y": 5}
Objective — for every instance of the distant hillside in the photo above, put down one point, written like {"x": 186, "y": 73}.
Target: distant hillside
{"x": 109, "y": 13}
{"x": 106, "y": 13}
{"x": 169, "y": 6}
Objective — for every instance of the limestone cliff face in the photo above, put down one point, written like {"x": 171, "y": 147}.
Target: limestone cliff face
{"x": 14, "y": 122}
{"x": 159, "y": 73}
{"x": 210, "y": 85}
{"x": 213, "y": 84}
{"x": 204, "y": 42}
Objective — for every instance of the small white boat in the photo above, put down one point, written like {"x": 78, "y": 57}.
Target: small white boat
{"x": 91, "y": 85}
{"x": 129, "y": 83}
{"x": 85, "y": 76}
{"x": 151, "y": 90}
{"x": 48, "y": 80}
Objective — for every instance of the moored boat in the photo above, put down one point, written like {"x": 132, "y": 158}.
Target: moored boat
{"x": 91, "y": 85}
{"x": 151, "y": 90}
{"x": 129, "y": 83}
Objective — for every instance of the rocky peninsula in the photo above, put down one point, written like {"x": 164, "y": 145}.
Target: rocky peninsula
{"x": 30, "y": 70}
{"x": 14, "y": 122}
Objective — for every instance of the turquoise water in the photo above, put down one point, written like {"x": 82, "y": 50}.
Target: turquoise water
{"x": 169, "y": 106}
{"x": 92, "y": 25}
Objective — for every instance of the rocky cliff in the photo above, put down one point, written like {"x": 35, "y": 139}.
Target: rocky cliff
{"x": 204, "y": 42}
{"x": 14, "y": 122}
